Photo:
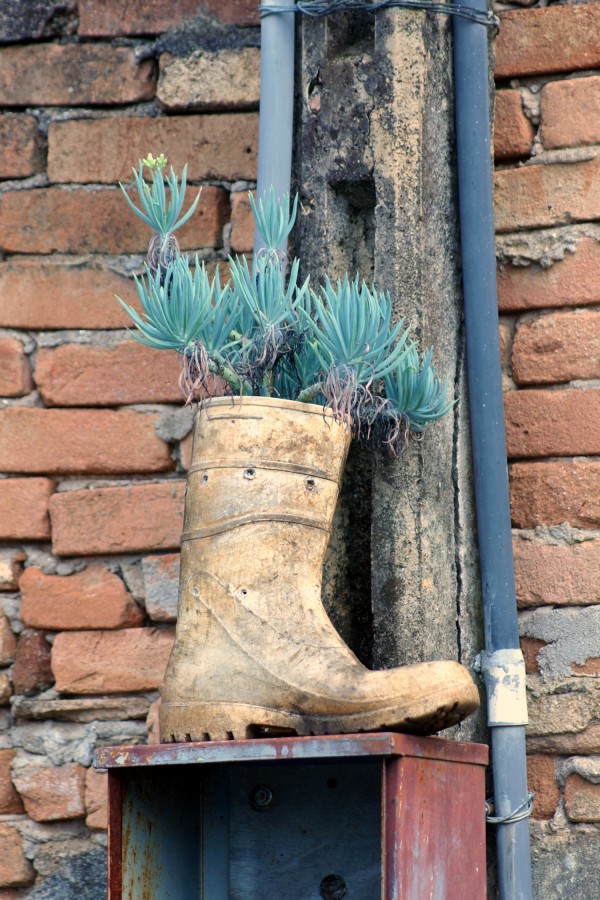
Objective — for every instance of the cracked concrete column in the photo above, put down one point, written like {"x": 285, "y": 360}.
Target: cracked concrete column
{"x": 375, "y": 170}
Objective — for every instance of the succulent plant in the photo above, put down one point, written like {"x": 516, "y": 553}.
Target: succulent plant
{"x": 265, "y": 333}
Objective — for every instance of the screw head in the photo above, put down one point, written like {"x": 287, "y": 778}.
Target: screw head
{"x": 261, "y": 797}
{"x": 333, "y": 887}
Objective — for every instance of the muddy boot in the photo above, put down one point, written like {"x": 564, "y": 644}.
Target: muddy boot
{"x": 254, "y": 648}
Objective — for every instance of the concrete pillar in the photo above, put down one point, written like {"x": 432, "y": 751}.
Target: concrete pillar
{"x": 375, "y": 171}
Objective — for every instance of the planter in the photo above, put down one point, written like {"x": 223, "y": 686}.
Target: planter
{"x": 255, "y": 651}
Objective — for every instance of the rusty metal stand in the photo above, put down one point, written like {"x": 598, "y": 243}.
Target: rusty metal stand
{"x": 366, "y": 816}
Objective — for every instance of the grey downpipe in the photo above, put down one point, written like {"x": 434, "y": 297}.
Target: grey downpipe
{"x": 502, "y": 662}
{"x": 276, "y": 103}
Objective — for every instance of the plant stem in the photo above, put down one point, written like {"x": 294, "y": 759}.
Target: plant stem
{"x": 309, "y": 394}
{"x": 218, "y": 366}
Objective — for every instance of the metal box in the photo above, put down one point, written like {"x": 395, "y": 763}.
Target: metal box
{"x": 363, "y": 817}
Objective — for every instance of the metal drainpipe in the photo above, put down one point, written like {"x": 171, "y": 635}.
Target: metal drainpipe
{"x": 276, "y": 104}
{"x": 502, "y": 662}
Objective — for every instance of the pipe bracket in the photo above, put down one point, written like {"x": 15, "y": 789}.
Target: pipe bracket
{"x": 504, "y": 675}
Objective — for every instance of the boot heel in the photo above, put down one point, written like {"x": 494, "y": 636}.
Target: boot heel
{"x": 184, "y": 722}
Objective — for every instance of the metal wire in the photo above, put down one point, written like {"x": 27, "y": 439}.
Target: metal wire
{"x": 319, "y": 8}
{"x": 523, "y": 811}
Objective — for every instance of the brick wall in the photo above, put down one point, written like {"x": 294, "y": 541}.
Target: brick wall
{"x": 547, "y": 145}
{"x": 94, "y": 443}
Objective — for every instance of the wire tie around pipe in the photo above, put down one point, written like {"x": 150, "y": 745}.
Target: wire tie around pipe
{"x": 522, "y": 811}
{"x": 319, "y": 8}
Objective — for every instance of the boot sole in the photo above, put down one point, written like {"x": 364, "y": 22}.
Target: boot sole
{"x": 185, "y": 722}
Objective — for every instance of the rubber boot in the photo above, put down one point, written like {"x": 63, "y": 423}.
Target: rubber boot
{"x": 255, "y": 651}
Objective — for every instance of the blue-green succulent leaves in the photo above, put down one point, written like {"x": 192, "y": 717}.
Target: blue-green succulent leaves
{"x": 265, "y": 332}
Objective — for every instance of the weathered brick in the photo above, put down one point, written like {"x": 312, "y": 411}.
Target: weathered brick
{"x": 555, "y": 575}
{"x": 73, "y": 75}
{"x": 210, "y": 81}
{"x": 538, "y": 196}
{"x": 555, "y": 39}
{"x": 582, "y": 799}
{"x": 573, "y": 281}
{"x": 94, "y": 598}
{"x": 20, "y": 151}
{"x": 11, "y": 566}
{"x": 5, "y": 689}
{"x": 86, "y": 220}
{"x": 37, "y": 19}
{"x": 111, "y": 662}
{"x": 108, "y": 17}
{"x": 96, "y": 799}
{"x": 50, "y": 793}
{"x": 8, "y": 642}
{"x": 15, "y": 374}
{"x": 145, "y": 517}
{"x": 24, "y": 508}
{"x": 98, "y": 441}
{"x": 587, "y": 740}
{"x": 552, "y": 422}
{"x": 570, "y": 112}
{"x": 46, "y": 295}
{"x": 31, "y": 671}
{"x": 15, "y": 869}
{"x": 567, "y": 707}
{"x": 153, "y": 723}
{"x": 161, "y": 581}
{"x": 104, "y": 150}
{"x": 530, "y": 647}
{"x": 541, "y": 779}
{"x": 242, "y": 224}
{"x": 513, "y": 132}
{"x": 557, "y": 347}
{"x": 87, "y": 375}
{"x": 10, "y": 802}
{"x": 550, "y": 493}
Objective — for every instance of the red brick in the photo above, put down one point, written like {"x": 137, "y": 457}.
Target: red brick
{"x": 96, "y": 799}
{"x": 555, "y": 575}
{"x": 242, "y": 222}
{"x": 572, "y": 281}
{"x": 111, "y": 662}
{"x": 550, "y": 493}
{"x": 85, "y": 220}
{"x": 108, "y": 17}
{"x": 53, "y": 295}
{"x": 5, "y": 689}
{"x": 570, "y": 112}
{"x": 530, "y": 648}
{"x": 20, "y": 152}
{"x": 10, "y": 802}
{"x": 15, "y": 374}
{"x": 538, "y": 196}
{"x": 555, "y": 39}
{"x": 104, "y": 150}
{"x": 73, "y": 75}
{"x": 50, "y": 793}
{"x": 513, "y": 132}
{"x": 582, "y": 799}
{"x": 94, "y": 598}
{"x": 31, "y": 671}
{"x": 83, "y": 441}
{"x": 87, "y": 375}
{"x": 552, "y": 423}
{"x": 558, "y": 347}
{"x": 11, "y": 566}
{"x": 15, "y": 870}
{"x": 24, "y": 508}
{"x": 145, "y": 517}
{"x": 8, "y": 642}
{"x": 541, "y": 779}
